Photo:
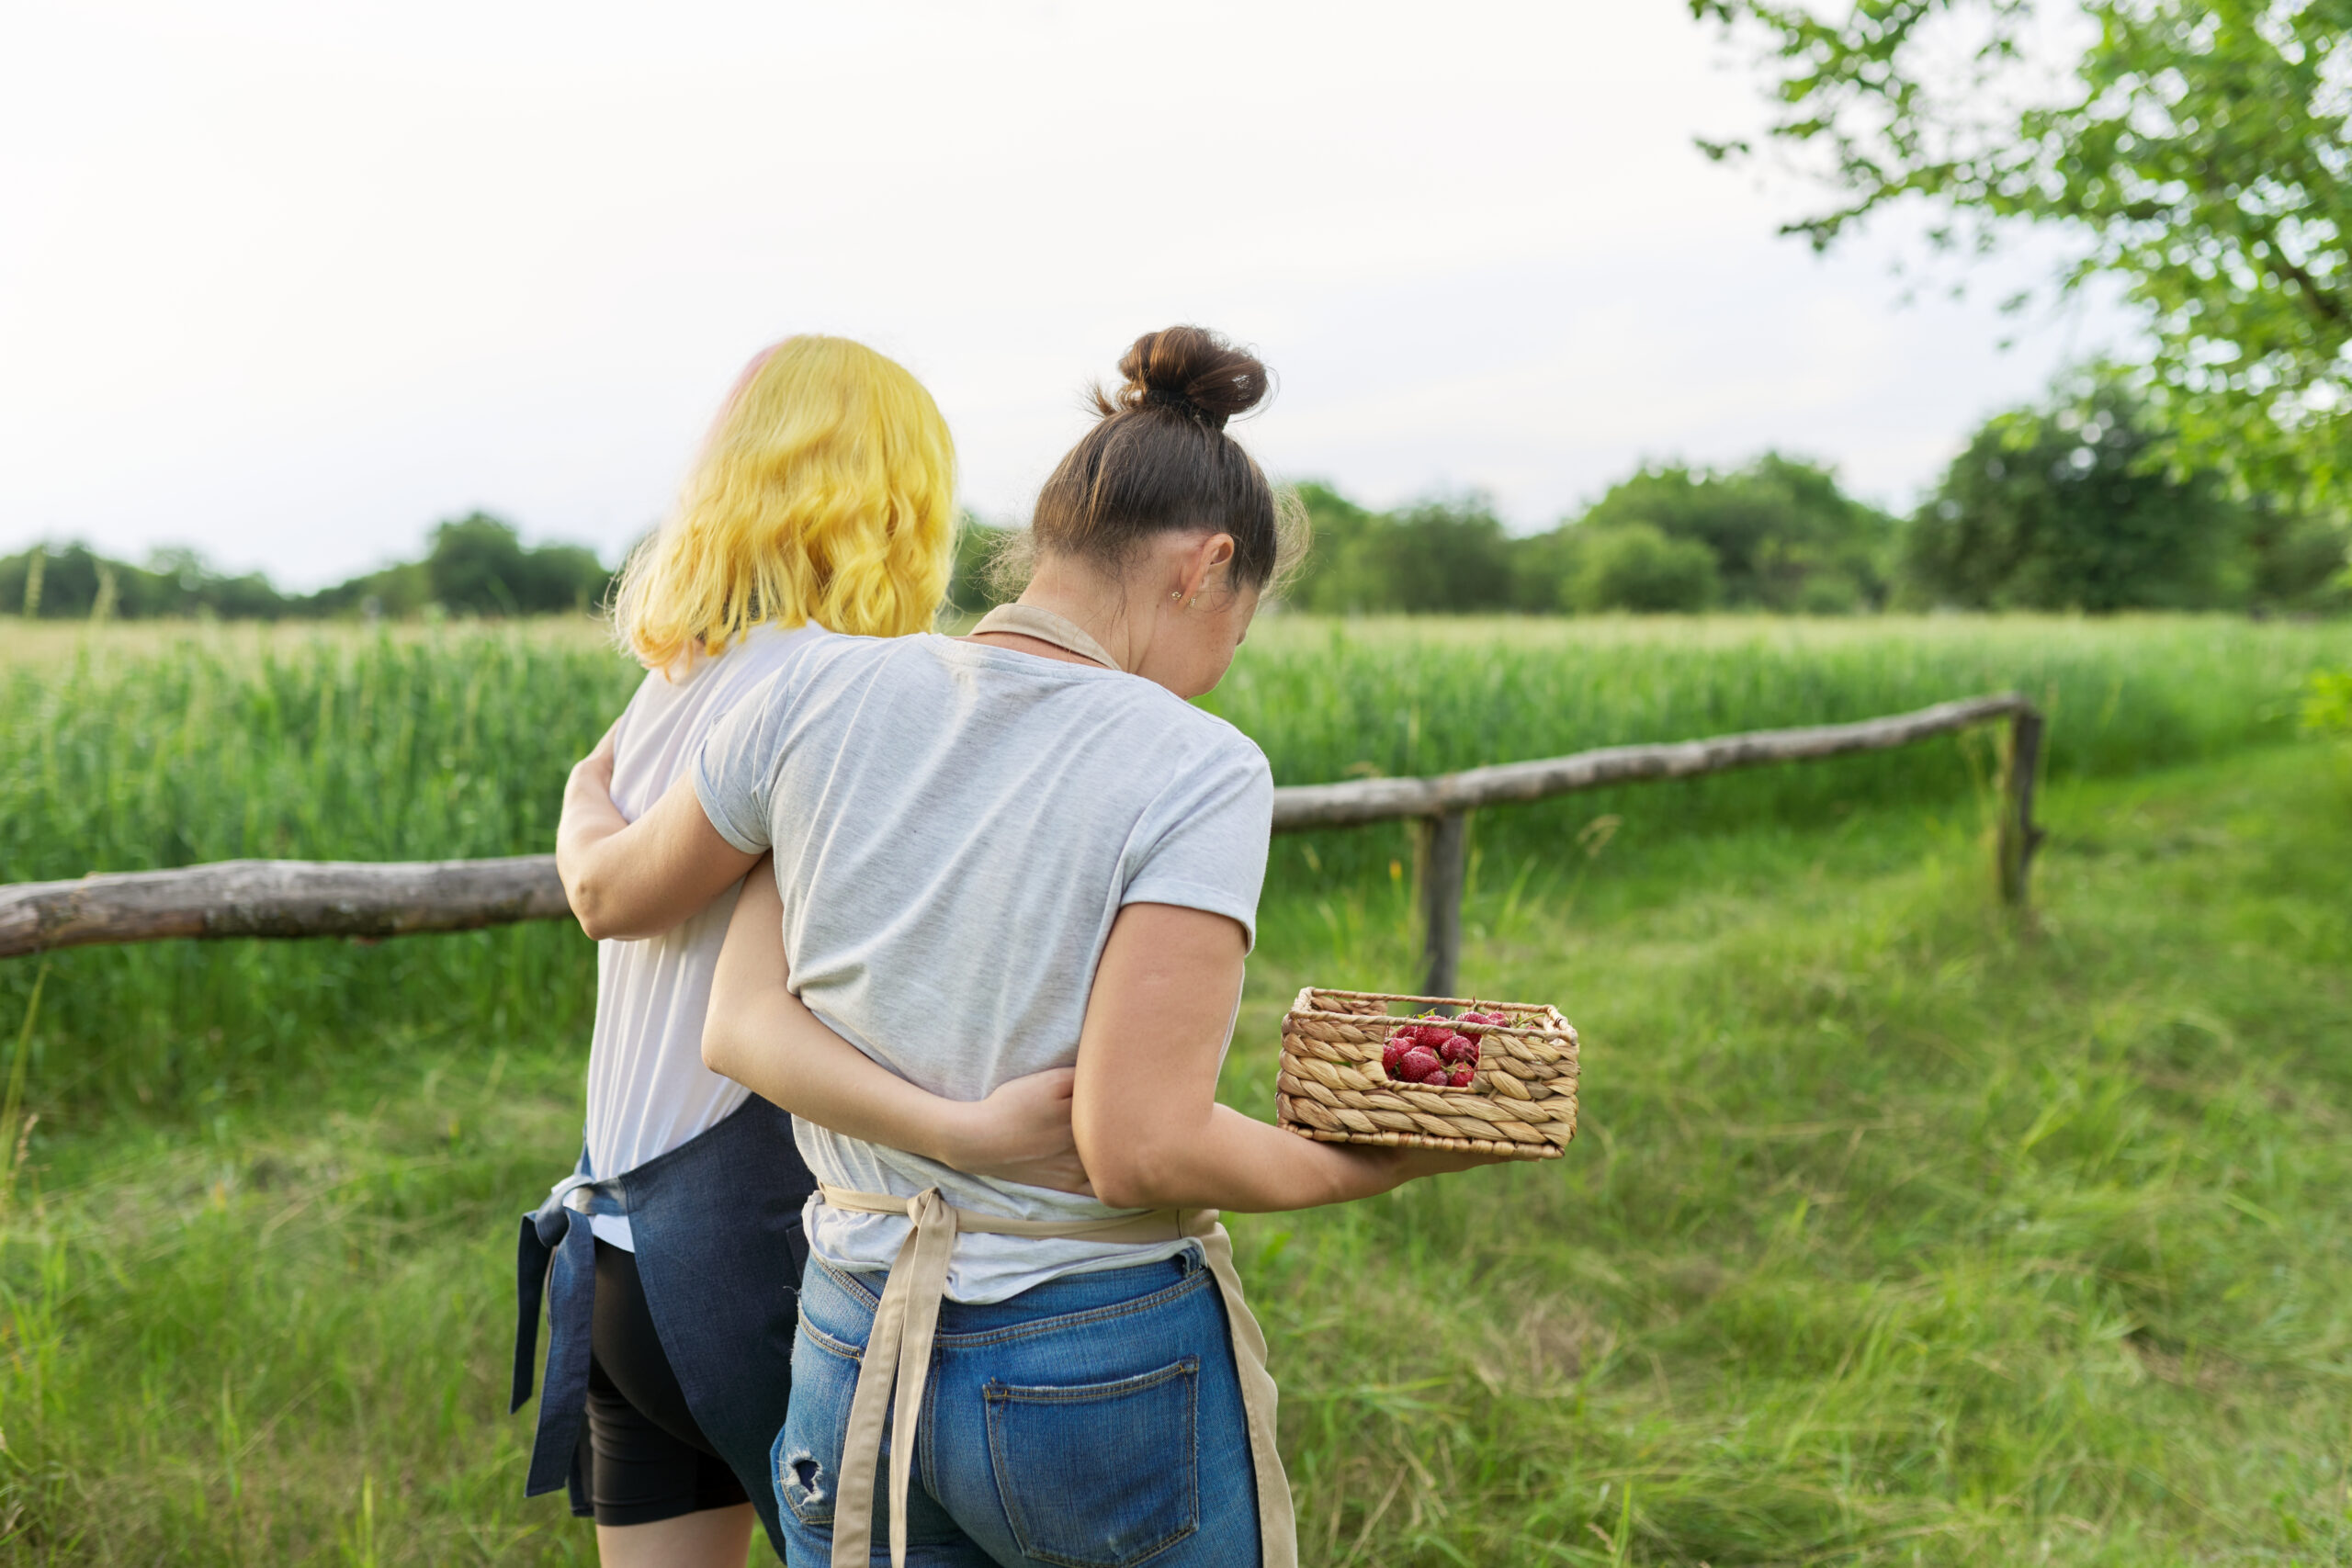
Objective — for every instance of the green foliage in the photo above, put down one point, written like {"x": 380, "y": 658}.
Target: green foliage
{"x": 2082, "y": 503}
{"x": 1399, "y": 696}
{"x": 383, "y": 746}
{"x": 1635, "y": 566}
{"x": 1889, "y": 1239}
{"x": 399, "y": 591}
{"x": 2327, "y": 702}
{"x": 413, "y": 745}
{"x": 2072, "y": 506}
{"x": 476, "y": 565}
{"x": 979, "y": 545}
{"x": 2197, "y": 152}
{"x": 1776, "y": 535}
{"x": 73, "y": 582}
{"x": 1437, "y": 557}
{"x": 1783, "y": 535}
{"x": 2295, "y": 560}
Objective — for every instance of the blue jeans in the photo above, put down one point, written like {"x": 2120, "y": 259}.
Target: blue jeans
{"x": 1093, "y": 1422}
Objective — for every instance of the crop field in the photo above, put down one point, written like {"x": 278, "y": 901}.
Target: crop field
{"x": 1897, "y": 1231}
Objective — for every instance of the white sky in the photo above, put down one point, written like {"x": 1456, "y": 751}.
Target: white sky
{"x": 291, "y": 282}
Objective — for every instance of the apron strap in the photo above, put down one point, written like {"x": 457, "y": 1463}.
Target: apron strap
{"x": 1036, "y": 621}
{"x": 905, "y": 1324}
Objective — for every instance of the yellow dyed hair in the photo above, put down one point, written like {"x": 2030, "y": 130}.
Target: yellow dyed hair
{"x": 825, "y": 492}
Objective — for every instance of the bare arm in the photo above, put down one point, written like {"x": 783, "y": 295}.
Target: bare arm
{"x": 759, "y": 1034}
{"x": 638, "y": 879}
{"x": 1149, "y": 1125}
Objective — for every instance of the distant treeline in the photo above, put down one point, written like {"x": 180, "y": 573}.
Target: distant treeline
{"x": 476, "y": 565}
{"x": 2076, "y": 502}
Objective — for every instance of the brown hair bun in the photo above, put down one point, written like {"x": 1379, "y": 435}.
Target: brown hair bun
{"x": 1192, "y": 370}
{"x": 1158, "y": 461}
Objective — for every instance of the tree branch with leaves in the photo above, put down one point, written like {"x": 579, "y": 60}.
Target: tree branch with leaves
{"x": 2197, "y": 153}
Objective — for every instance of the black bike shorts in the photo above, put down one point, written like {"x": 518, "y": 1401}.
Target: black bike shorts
{"x": 647, "y": 1459}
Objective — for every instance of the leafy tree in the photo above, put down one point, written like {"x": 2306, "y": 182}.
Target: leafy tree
{"x": 1636, "y": 566}
{"x": 75, "y": 581}
{"x": 1440, "y": 556}
{"x": 2195, "y": 150}
{"x": 476, "y": 565}
{"x": 68, "y": 579}
{"x": 177, "y": 581}
{"x": 2074, "y": 505}
{"x": 1346, "y": 570}
{"x": 1782, "y": 536}
{"x": 396, "y": 590}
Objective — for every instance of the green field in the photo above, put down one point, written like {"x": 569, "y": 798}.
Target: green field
{"x": 1895, "y": 1233}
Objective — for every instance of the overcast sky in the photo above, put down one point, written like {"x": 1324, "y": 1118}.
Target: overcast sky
{"x": 287, "y": 283}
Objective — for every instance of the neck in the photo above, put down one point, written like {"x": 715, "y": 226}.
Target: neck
{"x": 1101, "y": 609}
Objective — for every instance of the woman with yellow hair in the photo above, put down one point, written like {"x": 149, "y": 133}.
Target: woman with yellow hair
{"x": 823, "y": 497}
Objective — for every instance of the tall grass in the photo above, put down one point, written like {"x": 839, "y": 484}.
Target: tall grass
{"x": 1891, "y": 1237}
{"x": 319, "y": 747}
{"x": 123, "y": 753}
{"x": 1395, "y": 696}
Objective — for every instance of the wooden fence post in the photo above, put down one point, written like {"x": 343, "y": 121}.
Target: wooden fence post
{"x": 1445, "y": 857}
{"x": 2019, "y": 836}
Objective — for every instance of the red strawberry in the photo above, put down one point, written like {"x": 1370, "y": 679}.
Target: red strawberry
{"x": 1419, "y": 1063}
{"x": 1462, "y": 1076}
{"x": 1391, "y": 1055}
{"x": 1458, "y": 1049}
{"x": 1440, "y": 1078}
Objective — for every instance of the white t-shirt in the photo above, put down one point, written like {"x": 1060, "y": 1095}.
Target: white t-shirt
{"x": 648, "y": 1090}
{"x": 955, "y": 826}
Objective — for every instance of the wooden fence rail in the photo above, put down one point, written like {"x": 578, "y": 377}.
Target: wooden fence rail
{"x": 350, "y": 899}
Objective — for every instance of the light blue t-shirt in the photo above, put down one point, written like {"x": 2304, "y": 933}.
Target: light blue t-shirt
{"x": 955, "y": 827}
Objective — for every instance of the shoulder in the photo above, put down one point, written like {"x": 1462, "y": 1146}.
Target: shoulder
{"x": 763, "y": 651}
{"x": 1217, "y": 742}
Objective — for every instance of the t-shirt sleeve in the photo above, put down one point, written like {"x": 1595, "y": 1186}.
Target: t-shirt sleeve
{"x": 736, "y": 765}
{"x": 1203, "y": 841}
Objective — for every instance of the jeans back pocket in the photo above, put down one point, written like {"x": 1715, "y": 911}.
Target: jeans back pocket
{"x": 1098, "y": 1475}
{"x": 805, "y": 1463}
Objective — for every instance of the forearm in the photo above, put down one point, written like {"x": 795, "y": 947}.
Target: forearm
{"x": 1226, "y": 1160}
{"x": 776, "y": 1048}
{"x": 627, "y": 880}
{"x": 584, "y": 841}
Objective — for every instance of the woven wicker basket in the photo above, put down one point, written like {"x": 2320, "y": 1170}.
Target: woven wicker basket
{"x": 1522, "y": 1103}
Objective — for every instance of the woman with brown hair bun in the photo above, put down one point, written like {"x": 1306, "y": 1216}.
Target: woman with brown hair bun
{"x": 995, "y": 855}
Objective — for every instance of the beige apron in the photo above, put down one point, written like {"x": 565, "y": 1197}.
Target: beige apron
{"x": 1032, "y": 620}
{"x": 899, "y": 1348}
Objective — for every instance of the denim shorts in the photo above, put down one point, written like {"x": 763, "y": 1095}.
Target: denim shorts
{"x": 1092, "y": 1422}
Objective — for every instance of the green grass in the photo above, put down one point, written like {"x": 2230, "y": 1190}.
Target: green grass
{"x": 1893, "y": 1234}
{"x": 122, "y": 750}
{"x": 1397, "y": 697}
